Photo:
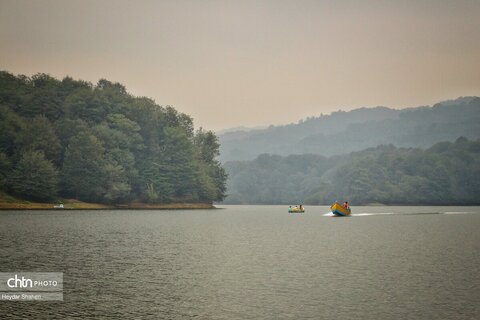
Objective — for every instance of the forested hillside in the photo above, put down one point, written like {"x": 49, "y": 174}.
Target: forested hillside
{"x": 344, "y": 132}
{"x": 447, "y": 173}
{"x": 97, "y": 143}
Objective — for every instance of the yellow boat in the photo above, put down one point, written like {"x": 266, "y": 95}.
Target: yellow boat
{"x": 339, "y": 210}
{"x": 296, "y": 209}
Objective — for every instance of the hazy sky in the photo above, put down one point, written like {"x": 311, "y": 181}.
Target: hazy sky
{"x": 232, "y": 63}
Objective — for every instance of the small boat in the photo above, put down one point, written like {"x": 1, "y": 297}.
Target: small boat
{"x": 339, "y": 210}
{"x": 296, "y": 209}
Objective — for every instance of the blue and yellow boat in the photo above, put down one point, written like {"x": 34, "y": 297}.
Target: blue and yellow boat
{"x": 339, "y": 210}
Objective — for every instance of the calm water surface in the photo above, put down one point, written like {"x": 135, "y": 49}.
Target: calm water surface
{"x": 246, "y": 262}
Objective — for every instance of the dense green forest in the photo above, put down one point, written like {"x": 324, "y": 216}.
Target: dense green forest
{"x": 446, "y": 173}
{"x": 97, "y": 143}
{"x": 344, "y": 132}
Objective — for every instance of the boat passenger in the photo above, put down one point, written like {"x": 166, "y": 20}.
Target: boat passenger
{"x": 345, "y": 205}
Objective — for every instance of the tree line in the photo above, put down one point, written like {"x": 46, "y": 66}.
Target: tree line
{"x": 446, "y": 173}
{"x": 98, "y": 143}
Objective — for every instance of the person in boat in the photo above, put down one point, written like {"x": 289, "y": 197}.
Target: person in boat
{"x": 301, "y": 207}
{"x": 345, "y": 205}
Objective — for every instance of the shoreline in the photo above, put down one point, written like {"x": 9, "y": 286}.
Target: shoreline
{"x": 76, "y": 205}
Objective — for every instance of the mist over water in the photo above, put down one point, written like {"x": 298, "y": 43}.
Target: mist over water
{"x": 249, "y": 262}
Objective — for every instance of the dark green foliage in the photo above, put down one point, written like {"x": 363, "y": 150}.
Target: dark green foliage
{"x": 117, "y": 185}
{"x": 44, "y": 98}
{"x": 212, "y": 176}
{"x": 39, "y": 134}
{"x": 34, "y": 177}
{"x": 10, "y": 127}
{"x": 109, "y": 146}
{"x": 178, "y": 162}
{"x": 447, "y": 173}
{"x": 5, "y": 167}
{"x": 83, "y": 174}
{"x": 14, "y": 90}
{"x": 207, "y": 145}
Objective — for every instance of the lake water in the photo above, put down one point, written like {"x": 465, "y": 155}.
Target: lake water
{"x": 246, "y": 262}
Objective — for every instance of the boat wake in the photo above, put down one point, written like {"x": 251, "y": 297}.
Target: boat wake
{"x": 367, "y": 214}
{"x": 329, "y": 214}
{"x": 371, "y": 214}
{"x": 463, "y": 212}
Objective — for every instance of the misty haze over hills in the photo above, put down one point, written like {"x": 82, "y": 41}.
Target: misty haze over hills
{"x": 344, "y": 132}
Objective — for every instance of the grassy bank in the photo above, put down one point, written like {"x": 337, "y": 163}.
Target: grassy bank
{"x": 10, "y": 203}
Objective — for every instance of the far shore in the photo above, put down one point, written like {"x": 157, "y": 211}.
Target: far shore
{"x": 78, "y": 205}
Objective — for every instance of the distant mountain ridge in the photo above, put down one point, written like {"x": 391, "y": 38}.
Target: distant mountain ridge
{"x": 239, "y": 129}
{"x": 344, "y": 132}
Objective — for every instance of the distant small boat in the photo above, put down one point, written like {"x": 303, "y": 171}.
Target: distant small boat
{"x": 339, "y": 210}
{"x": 296, "y": 209}
{"x": 59, "y": 206}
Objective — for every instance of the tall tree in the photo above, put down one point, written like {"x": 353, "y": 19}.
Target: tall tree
{"x": 34, "y": 177}
{"x": 11, "y": 124}
{"x": 212, "y": 177}
{"x": 5, "y": 169}
{"x": 39, "y": 134}
{"x": 44, "y": 99}
{"x": 83, "y": 173}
